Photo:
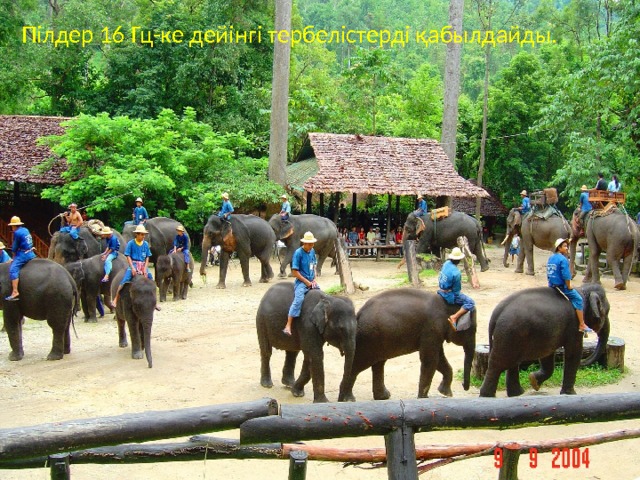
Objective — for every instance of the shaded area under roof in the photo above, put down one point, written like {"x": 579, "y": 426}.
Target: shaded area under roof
{"x": 20, "y": 153}
{"x": 383, "y": 165}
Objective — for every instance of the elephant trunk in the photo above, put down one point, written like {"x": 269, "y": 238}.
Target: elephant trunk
{"x": 206, "y": 246}
{"x": 146, "y": 326}
{"x": 349, "y": 350}
{"x": 507, "y": 245}
{"x": 469, "y": 351}
{"x": 573, "y": 247}
{"x": 603, "y": 338}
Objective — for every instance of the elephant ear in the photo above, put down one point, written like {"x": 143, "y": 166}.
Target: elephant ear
{"x": 320, "y": 314}
{"x": 596, "y": 305}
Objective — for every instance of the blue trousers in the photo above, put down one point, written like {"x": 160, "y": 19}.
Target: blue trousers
{"x": 300, "y": 289}
{"x": 128, "y": 276}
{"x": 107, "y": 263}
{"x": 573, "y": 296}
{"x": 19, "y": 261}
{"x": 458, "y": 298}
{"x": 73, "y": 231}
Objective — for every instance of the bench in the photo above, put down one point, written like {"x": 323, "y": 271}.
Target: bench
{"x": 381, "y": 250}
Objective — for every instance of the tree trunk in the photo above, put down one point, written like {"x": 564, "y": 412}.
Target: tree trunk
{"x": 483, "y": 141}
{"x": 452, "y": 83}
{"x": 280, "y": 97}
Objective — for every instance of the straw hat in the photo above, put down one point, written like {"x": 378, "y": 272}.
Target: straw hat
{"x": 139, "y": 200}
{"x": 140, "y": 229}
{"x": 559, "y": 242}
{"x": 2, "y": 247}
{"x": 420, "y": 197}
{"x": 284, "y": 195}
{"x": 523, "y": 192}
{"x": 106, "y": 231}
{"x": 15, "y": 221}
{"x": 584, "y": 188}
{"x": 180, "y": 228}
{"x": 308, "y": 238}
{"x": 225, "y": 195}
{"x": 456, "y": 254}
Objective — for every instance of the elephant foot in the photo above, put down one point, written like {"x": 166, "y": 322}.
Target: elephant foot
{"x": 246, "y": 284}
{"x": 91, "y": 320}
{"x": 533, "y": 381}
{"x": 123, "y": 344}
{"x": 347, "y": 397}
{"x": 484, "y": 269}
{"x": 137, "y": 355}
{"x": 16, "y": 356}
{"x": 530, "y": 273}
{"x": 282, "y": 275}
{"x": 266, "y": 382}
{"x": 54, "y": 356}
{"x": 568, "y": 391}
{"x": 297, "y": 393}
{"x": 620, "y": 286}
{"x": 221, "y": 286}
{"x": 288, "y": 381}
{"x": 321, "y": 399}
{"x": 519, "y": 270}
{"x": 384, "y": 395}
{"x": 445, "y": 390}
{"x": 264, "y": 280}
{"x": 515, "y": 393}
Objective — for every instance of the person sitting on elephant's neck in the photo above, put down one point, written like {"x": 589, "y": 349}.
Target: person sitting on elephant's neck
{"x": 601, "y": 184}
{"x": 137, "y": 253}
{"x": 450, "y": 283}
{"x": 22, "y": 249}
{"x": 525, "y": 207}
{"x": 181, "y": 244}
{"x": 225, "y": 213}
{"x": 585, "y": 205}
{"x": 110, "y": 252}
{"x": 559, "y": 277}
{"x": 285, "y": 210}
{"x": 421, "y": 211}
{"x": 72, "y": 221}
{"x": 4, "y": 256}
{"x": 303, "y": 268}
{"x": 140, "y": 215}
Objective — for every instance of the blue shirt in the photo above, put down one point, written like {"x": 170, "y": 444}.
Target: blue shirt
{"x": 613, "y": 187}
{"x": 422, "y": 206}
{"x": 181, "y": 241}
{"x": 113, "y": 244}
{"x": 286, "y": 207}
{"x": 139, "y": 215}
{"x": 305, "y": 263}
{"x": 585, "y": 205}
{"x": 526, "y": 205}
{"x": 227, "y": 208}
{"x": 558, "y": 270}
{"x": 22, "y": 241}
{"x": 4, "y": 257}
{"x": 353, "y": 237}
{"x": 138, "y": 253}
{"x": 450, "y": 279}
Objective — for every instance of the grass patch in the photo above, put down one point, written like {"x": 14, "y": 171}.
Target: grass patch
{"x": 592, "y": 376}
{"x": 335, "y": 290}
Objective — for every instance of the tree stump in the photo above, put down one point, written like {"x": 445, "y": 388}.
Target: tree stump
{"x": 615, "y": 353}
{"x": 480, "y": 361}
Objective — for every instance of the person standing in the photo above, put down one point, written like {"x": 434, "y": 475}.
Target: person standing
{"x": 140, "y": 215}
{"x": 450, "y": 283}
{"x": 514, "y": 248}
{"x": 137, "y": 253}
{"x": 72, "y": 221}
{"x": 22, "y": 249}
{"x": 525, "y": 207}
{"x": 181, "y": 244}
{"x": 614, "y": 185}
{"x": 601, "y": 184}
{"x": 285, "y": 210}
{"x": 110, "y": 252}
{"x": 4, "y": 256}
{"x": 559, "y": 277}
{"x": 303, "y": 268}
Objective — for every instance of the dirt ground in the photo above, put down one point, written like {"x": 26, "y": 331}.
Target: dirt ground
{"x": 205, "y": 352}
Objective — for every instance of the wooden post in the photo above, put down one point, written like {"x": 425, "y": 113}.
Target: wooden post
{"x": 480, "y": 361}
{"x": 60, "y": 469}
{"x": 412, "y": 264}
{"x": 344, "y": 268}
{"x": 615, "y": 353}
{"x": 509, "y": 469}
{"x": 309, "y": 203}
{"x": 298, "y": 465}
{"x": 469, "y": 266}
{"x": 321, "y": 207}
{"x": 401, "y": 454}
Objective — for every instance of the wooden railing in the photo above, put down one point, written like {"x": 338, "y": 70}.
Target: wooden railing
{"x": 41, "y": 247}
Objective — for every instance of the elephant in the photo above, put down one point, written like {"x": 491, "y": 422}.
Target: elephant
{"x": 172, "y": 269}
{"x": 249, "y": 236}
{"x": 64, "y": 249}
{"x": 136, "y": 305}
{"x": 617, "y": 234}
{"x": 540, "y": 229}
{"x": 323, "y": 319}
{"x": 444, "y": 233}
{"x": 162, "y": 232}
{"x": 401, "y": 321}
{"x": 291, "y": 231}
{"x": 531, "y": 325}
{"x": 88, "y": 274}
{"x": 47, "y": 292}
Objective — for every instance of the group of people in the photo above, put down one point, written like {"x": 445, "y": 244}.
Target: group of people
{"x": 373, "y": 237}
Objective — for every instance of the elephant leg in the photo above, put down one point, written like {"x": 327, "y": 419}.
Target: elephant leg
{"x": 520, "y": 261}
{"x": 444, "y": 367}
{"x": 380, "y": 391}
{"x": 572, "y": 357}
{"x": 529, "y": 256}
{"x": 176, "y": 286}
{"x": 428, "y": 364}
{"x": 594, "y": 263}
{"x": 285, "y": 262}
{"x": 122, "y": 333}
{"x": 612, "y": 261}
{"x": 67, "y": 336}
{"x": 224, "y": 266}
{"x": 136, "y": 337}
{"x": 317, "y": 375}
{"x": 91, "y": 303}
{"x": 13, "y": 326}
{"x": 244, "y": 265}
{"x": 266, "y": 272}
{"x": 512, "y": 381}
{"x": 491, "y": 377}
{"x": 479, "y": 253}
{"x": 84, "y": 303}
{"x": 346, "y": 388}
{"x": 288, "y": 369}
{"x": 537, "y": 378}
{"x": 58, "y": 327}
{"x": 305, "y": 375}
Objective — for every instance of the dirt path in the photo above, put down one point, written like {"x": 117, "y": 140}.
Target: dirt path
{"x": 206, "y": 352}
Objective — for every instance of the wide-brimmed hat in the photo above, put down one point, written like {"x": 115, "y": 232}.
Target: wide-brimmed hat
{"x": 2, "y": 247}
{"x": 420, "y": 197}
{"x": 140, "y": 229}
{"x": 523, "y": 192}
{"x": 139, "y": 200}
{"x": 180, "y": 228}
{"x": 15, "y": 221}
{"x": 225, "y": 195}
{"x": 308, "y": 238}
{"x": 584, "y": 188}
{"x": 284, "y": 195}
{"x": 106, "y": 231}
{"x": 559, "y": 242}
{"x": 456, "y": 254}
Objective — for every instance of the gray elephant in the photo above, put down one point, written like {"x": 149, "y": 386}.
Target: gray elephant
{"x": 136, "y": 306}
{"x": 403, "y": 321}
{"x": 172, "y": 269}
{"x": 323, "y": 319}
{"x": 88, "y": 274}
{"x": 249, "y": 236}
{"x": 617, "y": 234}
{"x": 444, "y": 233}
{"x": 291, "y": 231}
{"x": 47, "y": 292}
{"x": 162, "y": 232}
{"x": 64, "y": 249}
{"x": 540, "y": 229}
{"x": 531, "y": 325}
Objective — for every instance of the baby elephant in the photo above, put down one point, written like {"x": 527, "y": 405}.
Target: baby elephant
{"x": 172, "y": 269}
{"x": 136, "y": 306}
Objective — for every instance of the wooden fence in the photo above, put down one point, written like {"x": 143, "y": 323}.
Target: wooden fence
{"x": 58, "y": 445}
{"x": 42, "y": 248}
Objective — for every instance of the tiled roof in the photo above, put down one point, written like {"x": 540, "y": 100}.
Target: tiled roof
{"x": 381, "y": 165}
{"x": 490, "y": 207}
{"x": 19, "y": 152}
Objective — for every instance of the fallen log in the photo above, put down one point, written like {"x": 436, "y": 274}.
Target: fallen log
{"x": 335, "y": 420}
{"x": 51, "y": 438}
